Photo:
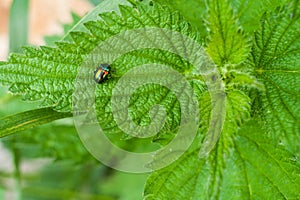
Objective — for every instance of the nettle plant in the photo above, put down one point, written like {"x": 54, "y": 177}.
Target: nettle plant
{"x": 255, "y": 46}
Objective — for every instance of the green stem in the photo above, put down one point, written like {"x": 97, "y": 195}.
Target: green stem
{"x": 18, "y": 25}
{"x": 29, "y": 119}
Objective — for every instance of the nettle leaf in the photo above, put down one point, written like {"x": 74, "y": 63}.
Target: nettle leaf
{"x": 228, "y": 47}
{"x": 249, "y": 12}
{"x": 276, "y": 58}
{"x": 245, "y": 163}
{"x": 104, "y": 6}
{"x": 227, "y": 44}
{"x": 48, "y": 73}
{"x": 237, "y": 111}
{"x": 145, "y": 97}
{"x": 251, "y": 169}
{"x": 187, "y": 9}
{"x": 237, "y": 107}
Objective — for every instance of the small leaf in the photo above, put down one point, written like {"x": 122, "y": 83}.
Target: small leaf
{"x": 227, "y": 44}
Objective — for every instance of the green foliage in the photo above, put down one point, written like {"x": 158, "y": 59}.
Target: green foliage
{"x": 44, "y": 142}
{"x": 251, "y": 169}
{"x": 66, "y": 180}
{"x": 227, "y": 44}
{"x": 187, "y": 10}
{"x": 48, "y": 73}
{"x": 249, "y": 164}
{"x": 255, "y": 45}
{"x": 28, "y": 119}
{"x": 276, "y": 59}
{"x": 249, "y": 13}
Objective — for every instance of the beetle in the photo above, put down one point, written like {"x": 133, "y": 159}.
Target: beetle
{"x": 102, "y": 73}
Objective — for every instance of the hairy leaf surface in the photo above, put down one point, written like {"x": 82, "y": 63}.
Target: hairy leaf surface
{"x": 276, "y": 57}
{"x": 251, "y": 169}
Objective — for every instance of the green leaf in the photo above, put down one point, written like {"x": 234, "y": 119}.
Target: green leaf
{"x": 251, "y": 169}
{"x": 193, "y": 10}
{"x": 48, "y": 73}
{"x": 249, "y": 13}
{"x": 145, "y": 97}
{"x": 227, "y": 44}
{"x": 276, "y": 58}
{"x": 28, "y": 119}
{"x": 105, "y": 6}
{"x": 237, "y": 111}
